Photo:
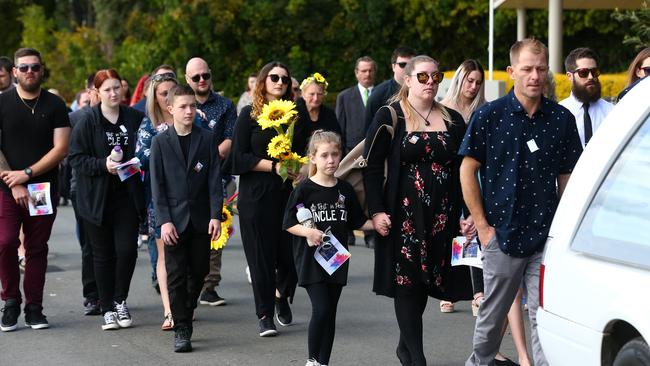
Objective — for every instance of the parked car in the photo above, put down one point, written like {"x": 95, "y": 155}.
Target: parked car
{"x": 595, "y": 276}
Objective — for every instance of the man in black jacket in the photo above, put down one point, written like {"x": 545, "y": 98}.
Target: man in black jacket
{"x": 186, "y": 192}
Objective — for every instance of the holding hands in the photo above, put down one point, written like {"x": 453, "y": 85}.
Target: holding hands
{"x": 381, "y": 223}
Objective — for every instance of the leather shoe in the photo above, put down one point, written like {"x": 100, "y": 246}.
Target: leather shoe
{"x": 506, "y": 362}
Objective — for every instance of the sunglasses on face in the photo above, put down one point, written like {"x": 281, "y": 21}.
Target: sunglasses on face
{"x": 435, "y": 76}
{"x": 646, "y": 70}
{"x": 26, "y": 67}
{"x": 584, "y": 72}
{"x": 205, "y": 76}
{"x": 400, "y": 64}
{"x": 164, "y": 77}
{"x": 275, "y": 77}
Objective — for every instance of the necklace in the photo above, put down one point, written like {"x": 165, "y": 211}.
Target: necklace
{"x": 27, "y": 105}
{"x": 426, "y": 119}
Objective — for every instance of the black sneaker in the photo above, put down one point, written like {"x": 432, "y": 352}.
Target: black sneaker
{"x": 10, "y": 314}
{"x": 283, "y": 311}
{"x": 506, "y": 362}
{"x": 110, "y": 321}
{"x": 91, "y": 307}
{"x": 267, "y": 327}
{"x": 34, "y": 317}
{"x": 182, "y": 339}
{"x": 123, "y": 316}
{"x": 210, "y": 297}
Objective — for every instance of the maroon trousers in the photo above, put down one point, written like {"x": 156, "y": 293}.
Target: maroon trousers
{"x": 37, "y": 231}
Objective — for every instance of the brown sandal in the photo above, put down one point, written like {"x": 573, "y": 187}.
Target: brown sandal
{"x": 168, "y": 323}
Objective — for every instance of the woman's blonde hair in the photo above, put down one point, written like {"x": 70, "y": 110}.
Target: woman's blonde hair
{"x": 153, "y": 109}
{"x": 403, "y": 93}
{"x": 321, "y": 137}
{"x": 456, "y": 85}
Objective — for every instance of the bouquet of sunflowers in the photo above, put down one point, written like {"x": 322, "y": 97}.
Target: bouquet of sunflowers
{"x": 226, "y": 224}
{"x": 277, "y": 114}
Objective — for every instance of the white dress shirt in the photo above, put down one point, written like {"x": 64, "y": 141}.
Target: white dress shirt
{"x": 598, "y": 110}
{"x": 362, "y": 88}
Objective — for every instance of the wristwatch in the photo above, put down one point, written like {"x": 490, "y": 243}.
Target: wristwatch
{"x": 273, "y": 164}
{"x": 29, "y": 172}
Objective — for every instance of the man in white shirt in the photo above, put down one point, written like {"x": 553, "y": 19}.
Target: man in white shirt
{"x": 584, "y": 102}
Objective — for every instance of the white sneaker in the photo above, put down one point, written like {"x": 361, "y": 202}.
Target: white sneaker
{"x": 312, "y": 362}
{"x": 123, "y": 315}
{"x": 110, "y": 321}
{"x": 248, "y": 275}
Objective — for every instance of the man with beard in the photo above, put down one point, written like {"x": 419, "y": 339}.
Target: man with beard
{"x": 221, "y": 115}
{"x": 584, "y": 102}
{"x": 6, "y": 81}
{"x": 35, "y": 132}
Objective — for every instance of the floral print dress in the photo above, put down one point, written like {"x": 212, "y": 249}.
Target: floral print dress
{"x": 427, "y": 158}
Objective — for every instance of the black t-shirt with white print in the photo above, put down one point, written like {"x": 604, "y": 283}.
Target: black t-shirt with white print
{"x": 116, "y": 134}
{"x": 336, "y": 208}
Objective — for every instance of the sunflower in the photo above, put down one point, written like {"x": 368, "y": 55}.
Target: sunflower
{"x": 277, "y": 113}
{"x": 319, "y": 78}
{"x": 226, "y": 230}
{"x": 279, "y": 146}
{"x": 300, "y": 159}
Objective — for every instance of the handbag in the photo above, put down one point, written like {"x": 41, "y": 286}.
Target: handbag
{"x": 351, "y": 167}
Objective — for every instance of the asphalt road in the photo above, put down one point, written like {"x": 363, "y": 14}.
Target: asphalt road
{"x": 367, "y": 331}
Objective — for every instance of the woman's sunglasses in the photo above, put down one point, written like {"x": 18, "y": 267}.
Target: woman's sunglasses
{"x": 646, "y": 70}
{"x": 275, "y": 77}
{"x": 205, "y": 76}
{"x": 423, "y": 77}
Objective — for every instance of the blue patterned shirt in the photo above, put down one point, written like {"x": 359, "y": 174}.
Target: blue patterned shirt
{"x": 221, "y": 116}
{"x": 521, "y": 159}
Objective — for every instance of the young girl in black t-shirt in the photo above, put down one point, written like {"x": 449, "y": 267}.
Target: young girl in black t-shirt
{"x": 334, "y": 207}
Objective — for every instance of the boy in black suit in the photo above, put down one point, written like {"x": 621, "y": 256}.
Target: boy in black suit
{"x": 186, "y": 190}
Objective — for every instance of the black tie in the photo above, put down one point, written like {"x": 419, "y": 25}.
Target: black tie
{"x": 587, "y": 119}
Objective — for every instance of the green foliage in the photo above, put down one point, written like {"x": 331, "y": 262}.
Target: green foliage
{"x": 237, "y": 37}
{"x": 639, "y": 25}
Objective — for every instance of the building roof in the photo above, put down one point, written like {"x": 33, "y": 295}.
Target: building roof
{"x": 571, "y": 4}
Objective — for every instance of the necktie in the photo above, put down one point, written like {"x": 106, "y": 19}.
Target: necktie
{"x": 364, "y": 96}
{"x": 587, "y": 121}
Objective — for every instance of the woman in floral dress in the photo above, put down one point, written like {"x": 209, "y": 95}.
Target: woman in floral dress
{"x": 417, "y": 210}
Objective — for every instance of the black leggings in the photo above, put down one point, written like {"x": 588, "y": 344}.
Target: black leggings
{"x": 408, "y": 310}
{"x": 322, "y": 326}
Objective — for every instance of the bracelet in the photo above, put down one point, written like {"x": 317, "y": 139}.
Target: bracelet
{"x": 273, "y": 164}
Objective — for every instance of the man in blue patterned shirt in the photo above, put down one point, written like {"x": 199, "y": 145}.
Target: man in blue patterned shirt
{"x": 525, "y": 147}
{"x": 221, "y": 115}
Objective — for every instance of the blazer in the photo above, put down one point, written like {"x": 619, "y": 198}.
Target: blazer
{"x": 351, "y": 114}
{"x": 87, "y": 156}
{"x": 186, "y": 191}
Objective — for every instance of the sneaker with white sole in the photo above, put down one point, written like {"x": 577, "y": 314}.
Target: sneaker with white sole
{"x": 267, "y": 327}
{"x": 34, "y": 317}
{"x": 110, "y": 321}
{"x": 10, "y": 314}
{"x": 312, "y": 362}
{"x": 210, "y": 297}
{"x": 123, "y": 316}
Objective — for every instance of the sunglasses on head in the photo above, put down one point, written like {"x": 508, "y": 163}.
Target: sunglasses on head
{"x": 205, "y": 76}
{"x": 164, "y": 77}
{"x": 275, "y": 77}
{"x": 400, "y": 64}
{"x": 25, "y": 67}
{"x": 435, "y": 76}
{"x": 584, "y": 72}
{"x": 646, "y": 70}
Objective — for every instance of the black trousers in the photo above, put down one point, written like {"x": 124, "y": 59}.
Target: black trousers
{"x": 115, "y": 250}
{"x": 409, "y": 308}
{"x": 477, "y": 279}
{"x": 268, "y": 249}
{"x": 88, "y": 283}
{"x": 322, "y": 325}
{"x": 187, "y": 262}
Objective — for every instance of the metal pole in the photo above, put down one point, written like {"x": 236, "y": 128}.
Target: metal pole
{"x": 491, "y": 41}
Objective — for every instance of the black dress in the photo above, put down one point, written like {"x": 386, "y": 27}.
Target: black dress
{"x": 423, "y": 198}
{"x": 261, "y": 203}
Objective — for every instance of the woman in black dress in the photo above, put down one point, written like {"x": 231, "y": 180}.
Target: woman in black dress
{"x": 417, "y": 212}
{"x": 262, "y": 199}
{"x": 312, "y": 113}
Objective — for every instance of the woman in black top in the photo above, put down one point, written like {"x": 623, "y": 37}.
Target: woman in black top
{"x": 262, "y": 199}
{"x": 417, "y": 212}
{"x": 312, "y": 113}
{"x": 111, "y": 209}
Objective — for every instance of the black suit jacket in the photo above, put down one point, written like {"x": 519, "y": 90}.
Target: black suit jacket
{"x": 379, "y": 98}
{"x": 351, "y": 114}
{"x": 186, "y": 191}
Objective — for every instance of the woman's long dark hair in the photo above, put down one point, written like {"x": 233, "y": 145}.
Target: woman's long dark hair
{"x": 259, "y": 93}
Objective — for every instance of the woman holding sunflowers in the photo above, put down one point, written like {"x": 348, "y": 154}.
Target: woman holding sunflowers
{"x": 264, "y": 190}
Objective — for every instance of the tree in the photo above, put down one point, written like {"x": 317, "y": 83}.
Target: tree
{"x": 638, "y": 22}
